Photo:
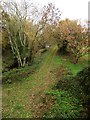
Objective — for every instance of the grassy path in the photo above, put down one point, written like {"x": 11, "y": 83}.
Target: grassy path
{"x": 25, "y": 99}
{"x": 44, "y": 81}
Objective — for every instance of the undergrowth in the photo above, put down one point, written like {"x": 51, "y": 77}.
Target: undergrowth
{"x": 18, "y": 74}
{"x": 66, "y": 106}
{"x": 72, "y": 96}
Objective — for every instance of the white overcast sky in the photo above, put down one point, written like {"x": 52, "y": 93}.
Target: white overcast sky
{"x": 72, "y": 9}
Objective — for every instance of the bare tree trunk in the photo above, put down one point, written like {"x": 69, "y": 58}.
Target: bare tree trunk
{"x": 76, "y": 59}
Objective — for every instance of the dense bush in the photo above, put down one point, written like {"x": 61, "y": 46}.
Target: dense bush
{"x": 66, "y": 106}
{"x": 17, "y": 74}
{"x": 78, "y": 86}
{"x": 72, "y": 96}
{"x": 84, "y": 79}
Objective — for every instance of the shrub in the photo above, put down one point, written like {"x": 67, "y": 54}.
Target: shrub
{"x": 66, "y": 106}
{"x": 17, "y": 74}
{"x": 78, "y": 86}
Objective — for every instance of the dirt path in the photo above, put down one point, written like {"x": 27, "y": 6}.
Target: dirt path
{"x": 44, "y": 80}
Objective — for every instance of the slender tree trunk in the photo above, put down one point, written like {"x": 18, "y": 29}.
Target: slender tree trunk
{"x": 76, "y": 59}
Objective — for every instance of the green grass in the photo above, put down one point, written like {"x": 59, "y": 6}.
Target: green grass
{"x": 68, "y": 103}
{"x": 17, "y": 96}
{"x": 71, "y": 96}
{"x": 66, "y": 106}
{"x": 74, "y": 68}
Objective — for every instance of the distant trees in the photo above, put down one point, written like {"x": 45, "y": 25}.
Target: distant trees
{"x": 72, "y": 36}
{"x": 25, "y": 27}
{"x": 48, "y": 15}
{"x": 79, "y": 44}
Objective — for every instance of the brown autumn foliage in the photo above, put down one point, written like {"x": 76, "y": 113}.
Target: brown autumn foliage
{"x": 24, "y": 28}
{"x": 75, "y": 36}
